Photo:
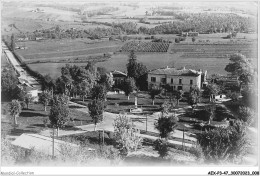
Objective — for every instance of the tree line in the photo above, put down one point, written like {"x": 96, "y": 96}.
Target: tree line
{"x": 200, "y": 22}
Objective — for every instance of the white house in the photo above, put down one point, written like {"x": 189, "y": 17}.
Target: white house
{"x": 178, "y": 79}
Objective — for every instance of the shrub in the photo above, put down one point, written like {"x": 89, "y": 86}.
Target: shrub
{"x": 221, "y": 113}
{"x": 165, "y": 125}
{"x": 247, "y": 115}
{"x": 45, "y": 122}
{"x": 161, "y": 146}
{"x": 177, "y": 40}
{"x": 224, "y": 144}
{"x": 197, "y": 151}
{"x": 182, "y": 38}
{"x": 110, "y": 153}
{"x": 127, "y": 138}
{"x": 201, "y": 115}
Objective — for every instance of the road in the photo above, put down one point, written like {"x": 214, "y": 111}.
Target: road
{"x": 23, "y": 75}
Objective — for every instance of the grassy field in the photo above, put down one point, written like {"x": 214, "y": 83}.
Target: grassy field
{"x": 31, "y": 120}
{"x": 209, "y": 52}
{"x": 66, "y": 47}
{"x": 152, "y": 61}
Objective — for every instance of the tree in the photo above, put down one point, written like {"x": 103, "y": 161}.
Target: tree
{"x": 106, "y": 80}
{"x": 90, "y": 67}
{"x": 48, "y": 84}
{"x": 247, "y": 115}
{"x": 12, "y": 42}
{"x": 249, "y": 98}
{"x": 165, "y": 125}
{"x": 161, "y": 146}
{"x": 129, "y": 86}
{"x": 134, "y": 69}
{"x": 96, "y": 108}
{"x": 85, "y": 83}
{"x": 153, "y": 92}
{"x": 45, "y": 98}
{"x": 210, "y": 112}
{"x": 66, "y": 79}
{"x": 59, "y": 112}
{"x": 9, "y": 82}
{"x": 165, "y": 107}
{"x": 194, "y": 96}
{"x": 211, "y": 89}
{"x": 242, "y": 67}
{"x": 178, "y": 95}
{"x": 126, "y": 136}
{"x": 28, "y": 99}
{"x": 224, "y": 144}
{"x": 99, "y": 92}
{"x": 193, "y": 39}
{"x": 18, "y": 93}
{"x": 15, "y": 110}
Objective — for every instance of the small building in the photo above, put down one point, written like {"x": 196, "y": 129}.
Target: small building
{"x": 193, "y": 34}
{"x": 184, "y": 34}
{"x": 178, "y": 79}
{"x": 38, "y": 38}
{"x": 118, "y": 77}
{"x": 32, "y": 91}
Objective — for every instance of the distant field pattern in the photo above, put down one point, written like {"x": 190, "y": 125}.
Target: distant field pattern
{"x": 146, "y": 46}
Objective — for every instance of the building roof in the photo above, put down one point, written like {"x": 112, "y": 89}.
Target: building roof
{"x": 176, "y": 72}
{"x": 118, "y": 73}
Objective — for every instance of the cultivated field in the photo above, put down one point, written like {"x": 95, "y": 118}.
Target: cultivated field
{"x": 145, "y": 46}
{"x": 197, "y": 50}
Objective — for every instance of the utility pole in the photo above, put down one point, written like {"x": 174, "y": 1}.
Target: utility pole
{"x": 103, "y": 137}
{"x": 146, "y": 122}
{"x": 53, "y": 143}
{"x": 183, "y": 143}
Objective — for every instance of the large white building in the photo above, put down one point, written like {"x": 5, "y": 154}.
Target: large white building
{"x": 178, "y": 79}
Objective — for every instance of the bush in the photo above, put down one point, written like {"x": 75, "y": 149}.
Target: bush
{"x": 166, "y": 125}
{"x": 182, "y": 38}
{"x": 224, "y": 144}
{"x": 127, "y": 138}
{"x": 177, "y": 40}
{"x": 197, "y": 151}
{"x": 161, "y": 146}
{"x": 111, "y": 153}
{"x": 201, "y": 115}
{"x": 247, "y": 115}
{"x": 221, "y": 113}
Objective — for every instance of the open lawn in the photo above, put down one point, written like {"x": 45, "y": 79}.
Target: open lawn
{"x": 31, "y": 120}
